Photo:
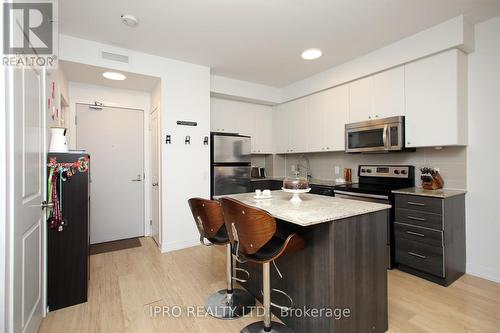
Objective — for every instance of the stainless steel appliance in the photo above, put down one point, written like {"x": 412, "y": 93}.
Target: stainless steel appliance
{"x": 230, "y": 164}
{"x": 380, "y": 135}
{"x": 376, "y": 183}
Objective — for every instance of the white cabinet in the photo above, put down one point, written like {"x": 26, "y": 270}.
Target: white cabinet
{"x": 262, "y": 136}
{"x": 336, "y": 116}
{"x": 254, "y": 120}
{"x": 389, "y": 93}
{"x": 223, "y": 116}
{"x": 280, "y": 129}
{"x": 378, "y": 96}
{"x": 360, "y": 100}
{"x": 327, "y": 115}
{"x": 436, "y": 100}
{"x": 290, "y": 127}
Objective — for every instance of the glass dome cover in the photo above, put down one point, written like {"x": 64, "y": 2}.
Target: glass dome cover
{"x": 295, "y": 183}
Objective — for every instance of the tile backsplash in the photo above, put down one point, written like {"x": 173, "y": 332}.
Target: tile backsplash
{"x": 451, "y": 161}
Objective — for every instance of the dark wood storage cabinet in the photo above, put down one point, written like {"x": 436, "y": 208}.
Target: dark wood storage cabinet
{"x": 430, "y": 236}
{"x": 68, "y": 250}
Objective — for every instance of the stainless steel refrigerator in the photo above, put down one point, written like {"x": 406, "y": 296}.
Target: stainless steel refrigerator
{"x": 230, "y": 164}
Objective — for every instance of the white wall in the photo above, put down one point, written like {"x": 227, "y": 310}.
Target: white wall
{"x": 81, "y": 93}
{"x": 483, "y": 203}
{"x": 185, "y": 95}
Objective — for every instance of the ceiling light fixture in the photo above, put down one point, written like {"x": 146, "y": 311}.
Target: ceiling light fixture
{"x": 114, "y": 76}
{"x": 129, "y": 20}
{"x": 311, "y": 54}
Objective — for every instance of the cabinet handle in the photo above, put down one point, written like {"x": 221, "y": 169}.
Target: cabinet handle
{"x": 417, "y": 255}
{"x": 415, "y": 234}
{"x": 415, "y": 204}
{"x": 415, "y": 218}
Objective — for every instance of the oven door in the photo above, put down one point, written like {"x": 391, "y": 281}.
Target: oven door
{"x": 383, "y": 199}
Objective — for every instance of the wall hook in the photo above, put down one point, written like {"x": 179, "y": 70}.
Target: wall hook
{"x": 187, "y": 140}
{"x": 168, "y": 139}
{"x": 205, "y": 141}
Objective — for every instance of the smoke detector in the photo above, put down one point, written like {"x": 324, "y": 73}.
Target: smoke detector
{"x": 129, "y": 20}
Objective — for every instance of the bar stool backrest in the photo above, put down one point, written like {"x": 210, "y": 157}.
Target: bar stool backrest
{"x": 207, "y": 215}
{"x": 253, "y": 227}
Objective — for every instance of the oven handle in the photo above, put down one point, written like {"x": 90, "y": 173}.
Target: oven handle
{"x": 384, "y": 136}
{"x": 363, "y": 195}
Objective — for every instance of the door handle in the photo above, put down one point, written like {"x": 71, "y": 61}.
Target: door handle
{"x": 45, "y": 205}
{"x": 138, "y": 179}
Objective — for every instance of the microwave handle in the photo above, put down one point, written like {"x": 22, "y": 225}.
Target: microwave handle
{"x": 385, "y": 136}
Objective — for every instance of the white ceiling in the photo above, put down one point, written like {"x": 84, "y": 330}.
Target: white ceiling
{"x": 259, "y": 40}
{"x": 93, "y": 75}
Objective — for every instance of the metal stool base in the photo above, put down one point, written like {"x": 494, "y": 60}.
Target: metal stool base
{"x": 258, "y": 327}
{"x": 229, "y": 306}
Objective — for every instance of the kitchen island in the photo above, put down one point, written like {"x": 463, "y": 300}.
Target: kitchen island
{"x": 338, "y": 282}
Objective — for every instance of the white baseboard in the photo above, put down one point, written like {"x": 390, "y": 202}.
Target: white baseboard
{"x": 179, "y": 245}
{"x": 483, "y": 272}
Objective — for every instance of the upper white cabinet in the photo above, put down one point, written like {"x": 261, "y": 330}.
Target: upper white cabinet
{"x": 327, "y": 115}
{"x": 262, "y": 136}
{"x": 250, "y": 119}
{"x": 378, "y": 96}
{"x": 436, "y": 100}
{"x": 223, "y": 117}
{"x": 361, "y": 100}
{"x": 290, "y": 127}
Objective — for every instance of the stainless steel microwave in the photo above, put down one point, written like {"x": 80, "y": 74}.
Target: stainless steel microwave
{"x": 380, "y": 135}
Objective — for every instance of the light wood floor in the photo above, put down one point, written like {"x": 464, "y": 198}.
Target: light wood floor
{"x": 125, "y": 284}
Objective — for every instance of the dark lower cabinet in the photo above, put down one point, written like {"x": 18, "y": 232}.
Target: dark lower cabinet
{"x": 68, "y": 249}
{"x": 430, "y": 237}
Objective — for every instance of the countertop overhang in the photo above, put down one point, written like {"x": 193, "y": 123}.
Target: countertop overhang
{"x": 313, "y": 209}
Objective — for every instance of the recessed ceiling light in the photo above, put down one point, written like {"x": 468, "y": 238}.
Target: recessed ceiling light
{"x": 129, "y": 20}
{"x": 114, "y": 76}
{"x": 311, "y": 54}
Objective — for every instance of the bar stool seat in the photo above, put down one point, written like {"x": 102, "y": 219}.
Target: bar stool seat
{"x": 229, "y": 303}
{"x": 254, "y": 238}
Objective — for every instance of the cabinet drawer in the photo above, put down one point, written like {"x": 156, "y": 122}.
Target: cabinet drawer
{"x": 423, "y": 257}
{"x": 418, "y": 218}
{"x": 420, "y": 203}
{"x": 417, "y": 234}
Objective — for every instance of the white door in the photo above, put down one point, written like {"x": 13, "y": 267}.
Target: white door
{"x": 26, "y": 195}
{"x": 155, "y": 176}
{"x": 114, "y": 139}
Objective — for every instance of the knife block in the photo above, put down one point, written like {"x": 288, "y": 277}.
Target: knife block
{"x": 436, "y": 183}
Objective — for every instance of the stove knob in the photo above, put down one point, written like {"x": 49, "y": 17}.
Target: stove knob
{"x": 369, "y": 170}
{"x": 363, "y": 170}
{"x": 396, "y": 172}
{"x": 403, "y": 172}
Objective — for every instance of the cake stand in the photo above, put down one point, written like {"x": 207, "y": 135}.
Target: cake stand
{"x": 296, "y": 193}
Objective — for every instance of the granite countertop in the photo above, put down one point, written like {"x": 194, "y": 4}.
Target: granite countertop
{"x": 312, "y": 181}
{"x": 313, "y": 209}
{"x": 442, "y": 193}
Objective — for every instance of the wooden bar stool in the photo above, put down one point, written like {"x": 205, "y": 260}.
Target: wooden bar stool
{"x": 228, "y": 303}
{"x": 253, "y": 235}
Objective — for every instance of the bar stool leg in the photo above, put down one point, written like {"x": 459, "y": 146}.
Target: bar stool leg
{"x": 267, "y": 325}
{"x": 229, "y": 303}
